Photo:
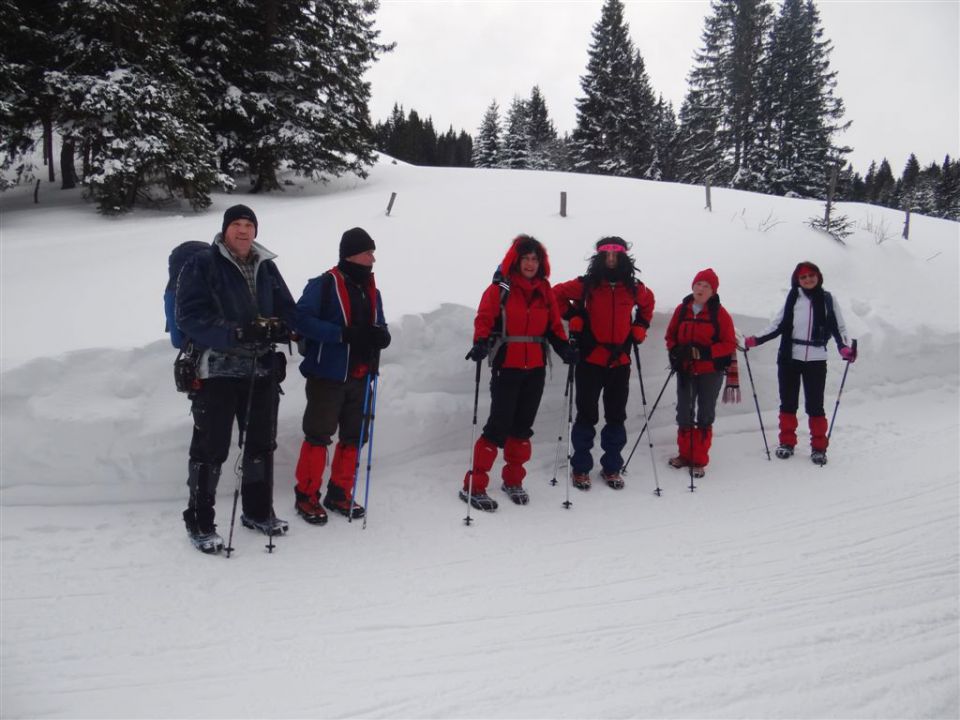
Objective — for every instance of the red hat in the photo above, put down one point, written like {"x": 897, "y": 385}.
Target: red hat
{"x": 708, "y": 276}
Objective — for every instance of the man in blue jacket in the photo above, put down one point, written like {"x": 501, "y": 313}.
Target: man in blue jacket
{"x": 233, "y": 305}
{"x": 340, "y": 317}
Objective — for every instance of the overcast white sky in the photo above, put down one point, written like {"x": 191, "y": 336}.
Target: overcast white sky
{"x": 898, "y": 63}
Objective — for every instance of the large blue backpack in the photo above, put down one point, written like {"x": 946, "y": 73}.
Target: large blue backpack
{"x": 178, "y": 258}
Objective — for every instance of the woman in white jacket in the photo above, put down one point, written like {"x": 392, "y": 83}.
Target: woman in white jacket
{"x": 805, "y": 324}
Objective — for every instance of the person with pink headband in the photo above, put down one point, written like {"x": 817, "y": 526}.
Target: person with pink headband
{"x": 600, "y": 306}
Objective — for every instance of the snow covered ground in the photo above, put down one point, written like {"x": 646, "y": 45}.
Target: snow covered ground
{"x": 777, "y": 589}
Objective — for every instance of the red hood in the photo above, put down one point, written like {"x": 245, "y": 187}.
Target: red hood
{"x": 510, "y": 259}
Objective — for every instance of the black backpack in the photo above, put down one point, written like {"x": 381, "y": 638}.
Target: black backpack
{"x": 178, "y": 258}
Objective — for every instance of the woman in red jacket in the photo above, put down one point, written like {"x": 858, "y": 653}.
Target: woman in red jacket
{"x": 701, "y": 342}
{"x": 606, "y": 328}
{"x": 514, "y": 324}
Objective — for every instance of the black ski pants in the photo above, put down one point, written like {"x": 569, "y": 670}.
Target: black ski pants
{"x": 614, "y": 384}
{"x": 813, "y": 375}
{"x": 331, "y": 405}
{"x": 215, "y": 406}
{"x": 514, "y": 401}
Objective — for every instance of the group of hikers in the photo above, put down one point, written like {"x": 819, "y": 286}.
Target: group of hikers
{"x": 231, "y": 308}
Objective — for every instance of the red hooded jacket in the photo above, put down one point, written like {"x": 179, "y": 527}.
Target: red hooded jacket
{"x": 698, "y": 329}
{"x": 531, "y": 310}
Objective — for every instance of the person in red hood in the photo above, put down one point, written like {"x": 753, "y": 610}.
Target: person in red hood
{"x": 601, "y": 306}
{"x": 514, "y": 331}
{"x": 805, "y": 324}
{"x": 701, "y": 342}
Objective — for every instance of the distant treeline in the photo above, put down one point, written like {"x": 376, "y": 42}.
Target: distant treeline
{"x": 760, "y": 113}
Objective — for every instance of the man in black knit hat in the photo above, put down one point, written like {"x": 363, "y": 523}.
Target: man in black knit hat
{"x": 233, "y": 305}
{"x": 340, "y": 318}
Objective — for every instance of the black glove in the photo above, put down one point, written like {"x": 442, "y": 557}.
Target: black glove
{"x": 678, "y": 355}
{"x": 277, "y": 331}
{"x": 255, "y": 332}
{"x": 569, "y": 354}
{"x": 357, "y": 335}
{"x": 379, "y": 337}
{"x": 480, "y": 349}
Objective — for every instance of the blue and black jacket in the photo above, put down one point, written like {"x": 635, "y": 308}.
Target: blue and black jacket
{"x": 322, "y": 312}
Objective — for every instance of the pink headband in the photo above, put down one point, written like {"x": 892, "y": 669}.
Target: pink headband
{"x": 611, "y": 248}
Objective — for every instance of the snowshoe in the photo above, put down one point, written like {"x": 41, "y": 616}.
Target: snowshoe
{"x": 309, "y": 509}
{"x": 481, "y": 501}
{"x": 818, "y": 457}
{"x": 516, "y": 493}
{"x": 209, "y": 543}
{"x": 339, "y": 503}
{"x": 612, "y": 479}
{"x": 581, "y": 481}
{"x": 698, "y": 471}
{"x": 270, "y": 526}
{"x": 785, "y": 451}
{"x": 678, "y": 462}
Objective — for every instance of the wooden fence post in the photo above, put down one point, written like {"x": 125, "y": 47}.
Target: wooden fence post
{"x": 906, "y": 226}
{"x": 563, "y": 204}
{"x": 393, "y": 196}
{"x": 709, "y": 205}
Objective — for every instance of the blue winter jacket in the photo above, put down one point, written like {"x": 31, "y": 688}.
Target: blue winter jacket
{"x": 322, "y": 312}
{"x": 213, "y": 300}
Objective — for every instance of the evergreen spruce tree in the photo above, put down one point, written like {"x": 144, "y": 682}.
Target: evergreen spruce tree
{"x": 699, "y": 153}
{"x": 948, "y": 190}
{"x": 799, "y": 113}
{"x": 541, "y": 134}
{"x": 125, "y": 96}
{"x": 663, "y": 139}
{"x": 303, "y": 92}
{"x": 718, "y": 139}
{"x": 883, "y": 185}
{"x": 486, "y": 150}
{"x": 513, "y": 152}
{"x": 614, "y": 115}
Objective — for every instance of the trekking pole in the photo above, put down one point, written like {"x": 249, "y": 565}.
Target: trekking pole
{"x": 238, "y": 468}
{"x": 473, "y": 436}
{"x": 373, "y": 417}
{"x": 693, "y": 427}
{"x": 363, "y": 427}
{"x": 566, "y": 394}
{"x": 623, "y": 470}
{"x": 853, "y": 346}
{"x": 646, "y": 421}
{"x": 746, "y": 356}
{"x": 567, "y": 503}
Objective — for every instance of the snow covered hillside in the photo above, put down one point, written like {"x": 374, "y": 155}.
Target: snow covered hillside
{"x": 777, "y": 589}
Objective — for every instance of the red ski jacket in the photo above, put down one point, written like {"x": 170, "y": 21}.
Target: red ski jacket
{"x": 698, "y": 329}
{"x": 610, "y": 319}
{"x": 531, "y": 311}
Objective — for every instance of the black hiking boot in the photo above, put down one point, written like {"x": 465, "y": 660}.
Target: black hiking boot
{"x": 581, "y": 481}
{"x": 271, "y": 526}
{"x": 612, "y": 479}
{"x": 309, "y": 508}
{"x": 785, "y": 451}
{"x": 480, "y": 500}
{"x": 818, "y": 457}
{"x": 516, "y": 493}
{"x": 338, "y": 501}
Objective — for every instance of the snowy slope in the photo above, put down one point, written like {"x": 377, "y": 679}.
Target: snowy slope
{"x": 777, "y": 589}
